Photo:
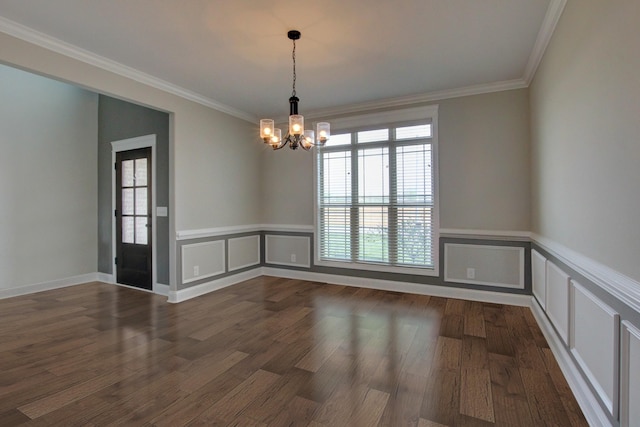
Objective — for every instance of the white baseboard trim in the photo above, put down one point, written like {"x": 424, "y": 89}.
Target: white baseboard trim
{"x": 161, "y": 289}
{"x": 588, "y": 401}
{"x": 409, "y": 288}
{"x": 50, "y": 285}
{"x": 106, "y": 278}
{"x": 214, "y": 285}
{"x": 624, "y": 288}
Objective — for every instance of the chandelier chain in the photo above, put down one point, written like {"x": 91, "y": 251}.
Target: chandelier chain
{"x": 293, "y": 55}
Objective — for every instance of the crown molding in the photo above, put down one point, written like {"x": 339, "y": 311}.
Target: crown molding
{"x": 551, "y": 18}
{"x": 404, "y": 101}
{"x": 45, "y": 41}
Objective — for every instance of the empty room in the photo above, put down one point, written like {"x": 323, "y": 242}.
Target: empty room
{"x": 278, "y": 213}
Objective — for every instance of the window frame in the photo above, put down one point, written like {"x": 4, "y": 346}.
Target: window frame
{"x": 394, "y": 118}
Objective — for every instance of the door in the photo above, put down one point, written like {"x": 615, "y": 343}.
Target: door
{"x": 133, "y": 218}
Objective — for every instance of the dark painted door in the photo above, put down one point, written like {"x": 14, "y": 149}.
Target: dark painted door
{"x": 133, "y": 218}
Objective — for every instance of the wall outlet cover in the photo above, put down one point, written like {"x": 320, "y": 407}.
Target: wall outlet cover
{"x": 471, "y": 273}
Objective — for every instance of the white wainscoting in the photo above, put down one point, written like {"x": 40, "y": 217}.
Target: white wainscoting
{"x": 594, "y": 342}
{"x": 202, "y": 260}
{"x": 288, "y": 250}
{"x": 243, "y": 252}
{"x": 539, "y": 277}
{"x": 588, "y": 401}
{"x": 557, "y": 304}
{"x": 501, "y": 266}
{"x": 630, "y": 376}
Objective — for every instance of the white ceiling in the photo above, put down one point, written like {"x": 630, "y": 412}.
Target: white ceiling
{"x": 236, "y": 53}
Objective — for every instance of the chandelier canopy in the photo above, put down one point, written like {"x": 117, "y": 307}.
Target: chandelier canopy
{"x": 297, "y": 136}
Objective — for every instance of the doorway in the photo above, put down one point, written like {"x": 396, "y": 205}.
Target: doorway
{"x": 133, "y": 189}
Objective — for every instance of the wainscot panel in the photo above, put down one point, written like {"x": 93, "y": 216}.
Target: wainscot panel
{"x": 203, "y": 260}
{"x": 288, "y": 250}
{"x": 557, "y": 305}
{"x": 594, "y": 343}
{"x": 630, "y": 376}
{"x": 484, "y": 265}
{"x": 539, "y": 277}
{"x": 243, "y": 252}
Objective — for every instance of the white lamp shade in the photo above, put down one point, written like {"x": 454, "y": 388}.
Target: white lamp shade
{"x": 277, "y": 136}
{"x": 309, "y": 139}
{"x": 296, "y": 124}
{"x": 324, "y": 132}
{"x": 266, "y": 129}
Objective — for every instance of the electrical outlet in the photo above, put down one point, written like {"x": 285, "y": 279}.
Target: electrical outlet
{"x": 196, "y": 270}
{"x": 471, "y": 273}
{"x": 293, "y": 257}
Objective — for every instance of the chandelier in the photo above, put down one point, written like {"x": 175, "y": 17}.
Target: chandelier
{"x": 297, "y": 136}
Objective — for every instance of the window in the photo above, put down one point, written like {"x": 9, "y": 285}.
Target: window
{"x": 376, "y": 199}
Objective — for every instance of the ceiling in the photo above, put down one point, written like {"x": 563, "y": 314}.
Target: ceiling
{"x": 236, "y": 55}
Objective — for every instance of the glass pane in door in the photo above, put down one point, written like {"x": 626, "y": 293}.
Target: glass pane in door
{"x": 141, "y": 172}
{"x": 141, "y": 201}
{"x": 127, "y": 173}
{"x": 141, "y": 230}
{"x": 127, "y": 229}
{"x": 127, "y": 201}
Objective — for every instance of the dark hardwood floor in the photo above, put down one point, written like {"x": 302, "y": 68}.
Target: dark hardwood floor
{"x": 275, "y": 352}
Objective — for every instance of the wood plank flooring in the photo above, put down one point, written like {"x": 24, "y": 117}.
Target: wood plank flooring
{"x": 275, "y": 352}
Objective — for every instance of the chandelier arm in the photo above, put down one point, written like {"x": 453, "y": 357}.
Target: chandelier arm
{"x": 283, "y": 142}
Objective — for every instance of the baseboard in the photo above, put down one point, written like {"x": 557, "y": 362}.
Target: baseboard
{"x": 214, "y": 285}
{"x": 588, "y": 401}
{"x": 106, "y": 278}
{"x": 409, "y": 288}
{"x": 50, "y": 285}
{"x": 161, "y": 289}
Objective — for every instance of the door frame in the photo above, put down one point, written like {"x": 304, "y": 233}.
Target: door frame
{"x": 146, "y": 141}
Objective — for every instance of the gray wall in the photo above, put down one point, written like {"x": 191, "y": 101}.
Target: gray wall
{"x": 217, "y": 170}
{"x": 216, "y": 157}
{"x": 121, "y": 120}
{"x": 484, "y": 149}
{"x": 48, "y": 210}
{"x": 484, "y": 144}
{"x": 585, "y": 101}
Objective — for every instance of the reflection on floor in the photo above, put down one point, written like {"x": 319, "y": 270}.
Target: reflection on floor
{"x": 275, "y": 352}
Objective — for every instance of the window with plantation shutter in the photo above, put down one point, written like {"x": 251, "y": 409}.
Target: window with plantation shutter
{"x": 376, "y": 200}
